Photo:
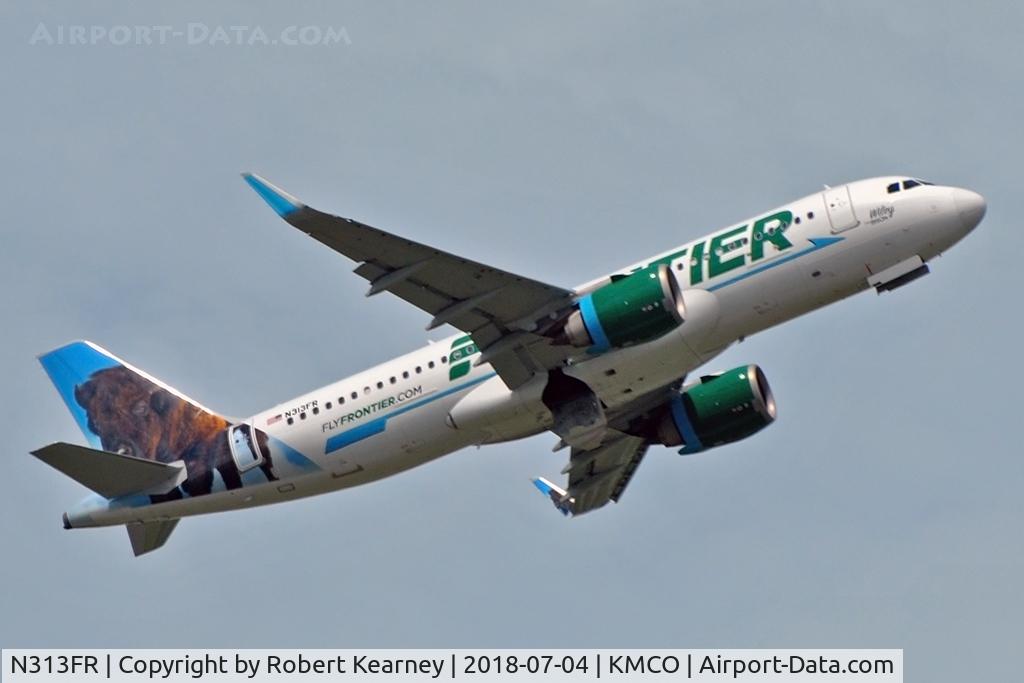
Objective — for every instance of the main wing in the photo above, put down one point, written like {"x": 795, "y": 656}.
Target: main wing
{"x": 598, "y": 475}
{"x": 506, "y": 314}
{"x": 601, "y": 474}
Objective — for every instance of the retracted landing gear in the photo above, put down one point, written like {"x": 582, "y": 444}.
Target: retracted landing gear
{"x": 579, "y": 417}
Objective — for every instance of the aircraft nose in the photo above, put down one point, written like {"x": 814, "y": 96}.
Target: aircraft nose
{"x": 971, "y": 207}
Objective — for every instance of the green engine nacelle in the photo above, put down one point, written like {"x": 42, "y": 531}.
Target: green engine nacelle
{"x": 629, "y": 310}
{"x": 720, "y": 409}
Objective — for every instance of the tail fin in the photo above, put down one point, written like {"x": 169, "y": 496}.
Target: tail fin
{"x": 122, "y": 409}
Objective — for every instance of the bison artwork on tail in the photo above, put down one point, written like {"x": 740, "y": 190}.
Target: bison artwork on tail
{"x": 122, "y": 410}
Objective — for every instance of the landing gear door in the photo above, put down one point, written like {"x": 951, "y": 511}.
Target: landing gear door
{"x": 840, "y": 208}
{"x": 245, "y": 448}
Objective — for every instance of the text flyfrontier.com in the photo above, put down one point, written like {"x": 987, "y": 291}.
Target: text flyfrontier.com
{"x": 40, "y": 666}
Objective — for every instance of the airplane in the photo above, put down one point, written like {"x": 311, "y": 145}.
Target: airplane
{"x": 607, "y": 367}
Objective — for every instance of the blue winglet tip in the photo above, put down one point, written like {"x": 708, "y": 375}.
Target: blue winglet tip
{"x": 279, "y": 200}
{"x": 542, "y": 486}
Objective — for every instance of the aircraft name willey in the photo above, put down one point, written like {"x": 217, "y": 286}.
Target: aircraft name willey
{"x": 881, "y": 213}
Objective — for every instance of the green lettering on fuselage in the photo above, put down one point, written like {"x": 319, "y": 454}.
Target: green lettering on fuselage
{"x": 770, "y": 229}
{"x": 720, "y": 245}
{"x": 667, "y": 260}
{"x": 697, "y": 263}
{"x": 718, "y": 250}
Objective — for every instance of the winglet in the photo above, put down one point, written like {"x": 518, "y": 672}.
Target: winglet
{"x": 557, "y": 495}
{"x": 279, "y": 200}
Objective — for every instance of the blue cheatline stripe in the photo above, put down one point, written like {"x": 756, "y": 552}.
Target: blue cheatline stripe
{"x": 280, "y": 203}
{"x": 817, "y": 242}
{"x": 359, "y": 433}
{"x": 378, "y": 425}
{"x": 685, "y": 427}
{"x": 593, "y": 325}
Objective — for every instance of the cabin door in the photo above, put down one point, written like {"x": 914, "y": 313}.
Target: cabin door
{"x": 840, "y": 208}
{"x": 245, "y": 449}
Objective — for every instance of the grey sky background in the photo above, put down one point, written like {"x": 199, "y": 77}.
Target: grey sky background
{"x": 883, "y": 509}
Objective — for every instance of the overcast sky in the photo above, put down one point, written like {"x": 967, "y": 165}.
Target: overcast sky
{"x": 882, "y": 509}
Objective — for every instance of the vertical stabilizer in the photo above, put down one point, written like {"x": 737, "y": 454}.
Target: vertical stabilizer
{"x": 120, "y": 408}
{"x": 124, "y": 411}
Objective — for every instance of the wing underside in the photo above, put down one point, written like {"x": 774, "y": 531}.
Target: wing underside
{"x": 597, "y": 475}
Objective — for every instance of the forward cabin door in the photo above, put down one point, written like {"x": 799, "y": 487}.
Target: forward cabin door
{"x": 840, "y": 208}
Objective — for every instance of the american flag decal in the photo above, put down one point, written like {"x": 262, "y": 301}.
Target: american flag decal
{"x": 272, "y": 420}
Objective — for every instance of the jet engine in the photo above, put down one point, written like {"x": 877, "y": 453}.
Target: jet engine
{"x": 630, "y": 309}
{"x": 717, "y": 410}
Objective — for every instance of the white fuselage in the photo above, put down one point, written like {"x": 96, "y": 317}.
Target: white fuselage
{"x": 394, "y": 416}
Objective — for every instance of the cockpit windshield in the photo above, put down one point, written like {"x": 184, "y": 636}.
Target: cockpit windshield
{"x": 908, "y": 184}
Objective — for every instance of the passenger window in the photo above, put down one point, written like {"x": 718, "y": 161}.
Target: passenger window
{"x": 380, "y": 385}
{"x": 405, "y": 375}
{"x": 355, "y": 395}
{"x": 393, "y": 380}
{"x": 418, "y": 369}
{"x": 895, "y": 187}
{"x": 430, "y": 365}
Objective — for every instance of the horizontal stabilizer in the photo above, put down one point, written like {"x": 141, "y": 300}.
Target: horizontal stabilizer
{"x": 557, "y": 495}
{"x": 148, "y": 536}
{"x": 111, "y": 474}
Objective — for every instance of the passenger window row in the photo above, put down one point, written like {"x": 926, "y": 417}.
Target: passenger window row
{"x": 367, "y": 389}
